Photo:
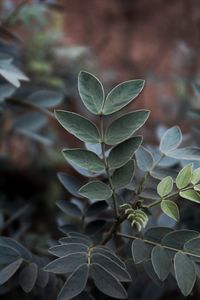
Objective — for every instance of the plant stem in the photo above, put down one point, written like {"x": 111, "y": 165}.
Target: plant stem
{"x": 114, "y": 197}
{"x": 132, "y": 237}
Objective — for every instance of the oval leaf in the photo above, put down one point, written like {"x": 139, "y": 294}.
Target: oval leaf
{"x": 91, "y": 92}
{"x": 184, "y": 177}
{"x": 28, "y": 277}
{"x": 177, "y": 239}
{"x": 122, "y": 153}
{"x": 63, "y": 250}
{"x": 188, "y": 153}
{"x": 144, "y": 159}
{"x": 71, "y": 184}
{"x": 46, "y": 98}
{"x": 161, "y": 262}
{"x": 165, "y": 186}
{"x": 85, "y": 159}
{"x": 122, "y": 95}
{"x": 7, "y": 272}
{"x": 140, "y": 252}
{"x": 123, "y": 176}
{"x": 124, "y": 127}
{"x": 171, "y": 139}
{"x": 79, "y": 126}
{"x": 184, "y": 272}
{"x": 190, "y": 195}
{"x": 170, "y": 209}
{"x": 195, "y": 176}
{"x": 96, "y": 190}
{"x": 69, "y": 208}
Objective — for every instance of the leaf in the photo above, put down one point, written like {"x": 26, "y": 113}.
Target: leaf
{"x": 161, "y": 262}
{"x": 32, "y": 121}
{"x": 79, "y": 126}
{"x": 170, "y": 209}
{"x": 12, "y": 73}
{"x": 148, "y": 267}
{"x": 69, "y": 208}
{"x": 75, "y": 283}
{"x": 91, "y": 92}
{"x": 6, "y": 90}
{"x": 184, "y": 177}
{"x": 66, "y": 264}
{"x": 45, "y": 98}
{"x": 71, "y": 184}
{"x": 94, "y": 227}
{"x": 171, "y": 139}
{"x": 122, "y": 95}
{"x": 116, "y": 270}
{"x": 7, "y": 272}
{"x": 122, "y": 153}
{"x": 188, "y": 153}
{"x": 76, "y": 239}
{"x": 193, "y": 246}
{"x": 8, "y": 254}
{"x": 165, "y": 187}
{"x": 123, "y": 176}
{"x": 43, "y": 278}
{"x": 144, "y": 159}
{"x": 85, "y": 159}
{"x": 197, "y": 187}
{"x": 190, "y": 195}
{"x": 140, "y": 251}
{"x": 65, "y": 249}
{"x": 161, "y": 173}
{"x": 28, "y": 277}
{"x": 177, "y": 239}
{"x": 184, "y": 272}
{"x": 125, "y": 126}
{"x": 195, "y": 176}
{"x": 106, "y": 282}
{"x": 108, "y": 253}
{"x": 96, "y": 208}
{"x": 96, "y": 190}
{"x": 24, "y": 253}
{"x": 155, "y": 234}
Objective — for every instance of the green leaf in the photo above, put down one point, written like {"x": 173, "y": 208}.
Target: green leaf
{"x": 197, "y": 187}
{"x": 193, "y": 247}
{"x": 123, "y": 176}
{"x": 156, "y": 234}
{"x": 7, "y": 272}
{"x": 190, "y": 195}
{"x": 184, "y": 177}
{"x": 77, "y": 240}
{"x": 75, "y": 283}
{"x": 122, "y": 153}
{"x": 108, "y": 253}
{"x": 184, "y": 272}
{"x": 69, "y": 208}
{"x": 109, "y": 285}
{"x": 195, "y": 176}
{"x": 91, "y": 92}
{"x": 188, "y": 153}
{"x": 170, "y": 209}
{"x": 71, "y": 184}
{"x": 140, "y": 252}
{"x": 161, "y": 262}
{"x": 46, "y": 98}
{"x": 171, "y": 139}
{"x": 85, "y": 159}
{"x": 79, "y": 126}
{"x": 122, "y": 95}
{"x": 28, "y": 277}
{"x": 144, "y": 159}
{"x": 165, "y": 187}
{"x": 96, "y": 190}
{"x": 177, "y": 239}
{"x": 66, "y": 264}
{"x": 124, "y": 127}
{"x": 8, "y": 254}
{"x": 65, "y": 249}
{"x": 111, "y": 266}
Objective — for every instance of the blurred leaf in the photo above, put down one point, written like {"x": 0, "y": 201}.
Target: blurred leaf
{"x": 85, "y": 159}
{"x": 7, "y": 272}
{"x": 144, "y": 159}
{"x": 91, "y": 92}
{"x": 124, "y": 127}
{"x": 46, "y": 98}
{"x": 95, "y": 227}
{"x": 79, "y": 126}
{"x": 8, "y": 254}
{"x": 96, "y": 208}
{"x": 170, "y": 209}
{"x": 96, "y": 190}
{"x": 188, "y": 153}
{"x": 184, "y": 272}
{"x": 165, "y": 187}
{"x": 71, "y": 184}
{"x": 24, "y": 253}
{"x": 122, "y": 95}
{"x": 184, "y": 177}
{"x": 122, "y": 153}
{"x": 32, "y": 121}
{"x": 69, "y": 208}
{"x": 28, "y": 277}
{"x": 12, "y": 73}
{"x": 6, "y": 90}
{"x": 171, "y": 139}
{"x": 123, "y": 176}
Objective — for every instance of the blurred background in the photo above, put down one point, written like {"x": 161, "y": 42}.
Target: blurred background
{"x": 117, "y": 40}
